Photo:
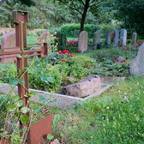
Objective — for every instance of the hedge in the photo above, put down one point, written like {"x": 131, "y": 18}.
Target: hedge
{"x": 72, "y": 30}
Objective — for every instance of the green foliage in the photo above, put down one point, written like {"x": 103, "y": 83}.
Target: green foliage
{"x": 72, "y": 30}
{"x": 110, "y": 68}
{"x": 117, "y": 117}
{"x": 4, "y": 102}
{"x": 51, "y": 73}
{"x": 61, "y": 40}
{"x": 45, "y": 76}
{"x": 131, "y": 13}
{"x": 8, "y": 73}
{"x": 107, "y": 27}
{"x": 106, "y": 66}
{"x": 81, "y": 66}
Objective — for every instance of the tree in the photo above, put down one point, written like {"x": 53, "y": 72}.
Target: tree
{"x": 82, "y": 7}
{"x": 25, "y": 2}
{"x": 131, "y": 12}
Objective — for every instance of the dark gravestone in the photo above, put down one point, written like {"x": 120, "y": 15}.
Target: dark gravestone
{"x": 97, "y": 40}
{"x": 116, "y": 38}
{"x": 108, "y": 39}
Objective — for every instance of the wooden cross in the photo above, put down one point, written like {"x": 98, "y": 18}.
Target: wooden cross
{"x": 20, "y": 21}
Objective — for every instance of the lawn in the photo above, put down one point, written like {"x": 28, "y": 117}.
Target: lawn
{"x": 116, "y": 117}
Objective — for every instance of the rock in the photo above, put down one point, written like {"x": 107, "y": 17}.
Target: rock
{"x": 119, "y": 60}
{"x": 83, "y": 42}
{"x": 84, "y": 88}
{"x": 137, "y": 65}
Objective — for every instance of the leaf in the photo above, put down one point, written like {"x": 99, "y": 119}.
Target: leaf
{"x": 19, "y": 104}
{"x": 47, "y": 79}
{"x": 50, "y": 137}
{"x": 11, "y": 107}
{"x": 25, "y": 110}
{"x": 24, "y": 119}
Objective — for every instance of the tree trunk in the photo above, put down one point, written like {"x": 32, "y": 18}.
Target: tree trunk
{"x": 86, "y": 6}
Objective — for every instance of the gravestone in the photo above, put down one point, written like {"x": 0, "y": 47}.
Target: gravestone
{"x": 61, "y": 40}
{"x": 8, "y": 44}
{"x": 108, "y": 39}
{"x": 97, "y": 40}
{"x": 8, "y": 40}
{"x": 123, "y": 38}
{"x": 134, "y": 39}
{"x": 83, "y": 42}
{"x": 116, "y": 38}
{"x": 137, "y": 65}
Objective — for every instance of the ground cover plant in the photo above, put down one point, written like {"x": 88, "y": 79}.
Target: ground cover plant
{"x": 108, "y": 63}
{"x": 50, "y": 74}
{"x": 117, "y": 117}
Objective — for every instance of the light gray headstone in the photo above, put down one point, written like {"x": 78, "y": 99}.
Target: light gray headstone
{"x": 97, "y": 39}
{"x": 137, "y": 65}
{"x": 116, "y": 38}
{"x": 83, "y": 42}
{"x": 108, "y": 39}
{"x": 134, "y": 39}
{"x": 123, "y": 37}
{"x": 8, "y": 40}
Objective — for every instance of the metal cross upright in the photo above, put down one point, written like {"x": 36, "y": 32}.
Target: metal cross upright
{"x": 20, "y": 21}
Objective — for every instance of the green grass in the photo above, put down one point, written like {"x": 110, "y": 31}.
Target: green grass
{"x": 117, "y": 117}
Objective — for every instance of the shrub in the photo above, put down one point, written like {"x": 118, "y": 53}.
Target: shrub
{"x": 45, "y": 76}
{"x": 72, "y": 30}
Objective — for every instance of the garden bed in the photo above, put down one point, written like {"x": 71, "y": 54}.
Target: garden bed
{"x": 60, "y": 100}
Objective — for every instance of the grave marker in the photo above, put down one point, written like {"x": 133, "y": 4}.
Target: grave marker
{"x": 116, "y": 38}
{"x": 134, "y": 39}
{"x": 83, "y": 42}
{"x": 97, "y": 39}
{"x": 123, "y": 38}
{"x": 8, "y": 44}
{"x": 108, "y": 39}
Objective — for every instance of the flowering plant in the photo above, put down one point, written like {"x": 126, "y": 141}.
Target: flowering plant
{"x": 65, "y": 52}
{"x": 72, "y": 42}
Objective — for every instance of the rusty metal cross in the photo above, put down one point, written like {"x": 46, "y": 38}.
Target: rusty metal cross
{"x": 20, "y": 21}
